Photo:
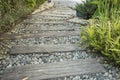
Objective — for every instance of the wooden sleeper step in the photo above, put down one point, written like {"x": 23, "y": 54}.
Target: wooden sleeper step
{"x": 53, "y": 70}
{"x": 50, "y": 28}
{"x": 42, "y": 34}
{"x": 48, "y": 22}
{"x": 51, "y": 48}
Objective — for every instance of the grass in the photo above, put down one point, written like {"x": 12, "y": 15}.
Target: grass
{"x": 12, "y": 11}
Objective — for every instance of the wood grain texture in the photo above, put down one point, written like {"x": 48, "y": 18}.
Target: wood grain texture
{"x": 45, "y": 48}
{"x": 57, "y": 15}
{"x": 42, "y": 34}
{"x": 53, "y": 70}
{"x": 53, "y": 16}
{"x": 51, "y": 28}
{"x": 59, "y": 12}
{"x": 46, "y": 23}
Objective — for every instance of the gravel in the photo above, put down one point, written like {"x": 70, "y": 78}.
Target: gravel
{"x": 112, "y": 73}
{"x": 8, "y": 61}
{"x": 21, "y": 28}
{"x": 47, "y": 40}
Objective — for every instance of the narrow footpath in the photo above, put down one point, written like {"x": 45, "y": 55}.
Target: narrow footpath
{"x": 45, "y": 47}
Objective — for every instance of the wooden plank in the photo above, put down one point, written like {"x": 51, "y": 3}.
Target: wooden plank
{"x": 52, "y": 28}
{"x": 42, "y": 34}
{"x": 57, "y": 15}
{"x": 79, "y": 21}
{"x": 46, "y": 48}
{"x": 49, "y": 17}
{"x": 62, "y": 13}
{"x": 43, "y": 22}
{"x": 61, "y": 9}
{"x": 45, "y": 19}
{"x": 52, "y": 15}
{"x": 61, "y": 24}
{"x": 37, "y": 16}
{"x": 53, "y": 70}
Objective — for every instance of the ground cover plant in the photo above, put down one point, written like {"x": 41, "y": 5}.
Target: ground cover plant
{"x": 12, "y": 10}
{"x": 102, "y": 35}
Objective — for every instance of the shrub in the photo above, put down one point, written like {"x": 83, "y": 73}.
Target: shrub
{"x": 12, "y": 10}
{"x": 103, "y": 37}
{"x": 103, "y": 34}
{"x": 86, "y": 9}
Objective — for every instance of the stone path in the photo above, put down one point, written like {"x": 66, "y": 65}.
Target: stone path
{"x": 45, "y": 46}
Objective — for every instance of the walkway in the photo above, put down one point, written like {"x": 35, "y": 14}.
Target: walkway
{"x": 45, "y": 46}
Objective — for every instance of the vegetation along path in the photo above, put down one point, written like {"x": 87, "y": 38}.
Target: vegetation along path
{"x": 45, "y": 46}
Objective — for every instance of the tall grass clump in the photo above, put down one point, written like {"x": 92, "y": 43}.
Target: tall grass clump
{"x": 102, "y": 35}
{"x": 106, "y": 9}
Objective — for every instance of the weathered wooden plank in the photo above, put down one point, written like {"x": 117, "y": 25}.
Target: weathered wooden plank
{"x": 54, "y": 18}
{"x": 52, "y": 28}
{"x": 46, "y": 19}
{"x": 69, "y": 14}
{"x": 45, "y": 48}
{"x": 49, "y": 17}
{"x": 42, "y": 34}
{"x": 57, "y": 15}
{"x": 60, "y": 24}
{"x": 53, "y": 70}
{"x": 78, "y": 21}
{"x": 62, "y": 10}
{"x": 59, "y": 12}
{"x": 37, "y": 16}
{"x": 43, "y": 22}
{"x": 52, "y": 15}
{"x": 59, "y": 9}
